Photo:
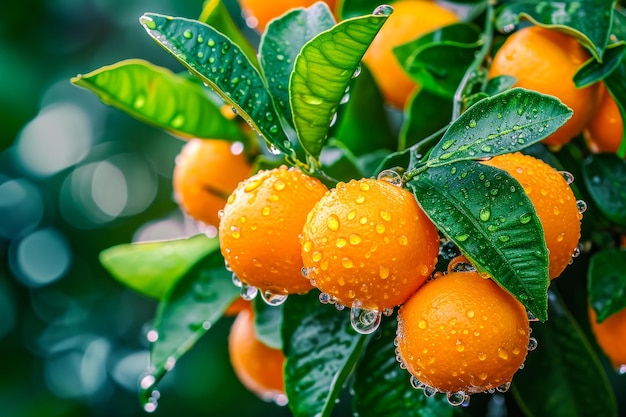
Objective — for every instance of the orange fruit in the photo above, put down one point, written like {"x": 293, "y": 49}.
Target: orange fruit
{"x": 604, "y": 131}
{"x": 545, "y": 61}
{"x": 368, "y": 242}
{"x": 611, "y": 336}
{"x": 236, "y": 307}
{"x": 410, "y": 20}
{"x": 260, "y": 226}
{"x": 554, "y": 203}
{"x": 258, "y": 13}
{"x": 258, "y": 366}
{"x": 206, "y": 172}
{"x": 462, "y": 334}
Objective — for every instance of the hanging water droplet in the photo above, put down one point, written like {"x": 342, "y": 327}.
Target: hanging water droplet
{"x": 531, "y": 316}
{"x": 364, "y": 321}
{"x": 333, "y": 120}
{"x": 357, "y": 71}
{"x": 387, "y": 312}
{"x": 383, "y": 10}
{"x": 273, "y": 149}
{"x": 455, "y": 398}
{"x": 416, "y": 383}
{"x": 324, "y": 298}
{"x": 567, "y": 176}
{"x": 504, "y": 387}
{"x": 391, "y": 176}
{"x": 532, "y": 344}
{"x": 577, "y": 251}
{"x": 582, "y": 206}
{"x": 248, "y": 292}
{"x": 273, "y": 299}
{"x": 429, "y": 391}
{"x": 236, "y": 281}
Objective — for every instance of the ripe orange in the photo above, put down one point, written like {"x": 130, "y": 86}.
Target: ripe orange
{"x": 258, "y": 366}
{"x": 258, "y": 13}
{"x": 410, "y": 20}
{"x": 206, "y": 172}
{"x": 462, "y": 333}
{"x": 546, "y": 61}
{"x": 369, "y": 242}
{"x": 236, "y": 307}
{"x": 611, "y": 336}
{"x": 604, "y": 131}
{"x": 554, "y": 203}
{"x": 260, "y": 226}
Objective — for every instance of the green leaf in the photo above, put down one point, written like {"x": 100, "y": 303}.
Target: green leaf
{"x": 487, "y": 214}
{"x": 594, "y": 71}
{"x": 267, "y": 323}
{"x": 606, "y": 282}
{"x": 339, "y": 163}
{"x": 363, "y": 125}
{"x": 425, "y": 114}
{"x": 187, "y": 313}
{"x": 499, "y": 84}
{"x": 161, "y": 98}
{"x": 354, "y": 8}
{"x": 281, "y": 43}
{"x": 222, "y": 65}
{"x": 588, "y": 20}
{"x": 215, "y": 14}
{"x": 321, "y": 349}
{"x": 382, "y": 388}
{"x": 605, "y": 178}
{"x": 506, "y": 122}
{"x": 153, "y": 268}
{"x": 563, "y": 376}
{"x": 321, "y": 74}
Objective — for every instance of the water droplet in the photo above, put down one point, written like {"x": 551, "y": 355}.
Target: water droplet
{"x": 388, "y": 311}
{"x": 462, "y": 237}
{"x": 248, "y": 292}
{"x": 187, "y": 34}
{"x": 504, "y": 238}
{"x": 416, "y": 383}
{"x": 364, "y": 321}
{"x": 357, "y": 71}
{"x": 577, "y": 251}
{"x": 525, "y": 218}
{"x": 582, "y": 206}
{"x": 455, "y": 398}
{"x": 273, "y": 149}
{"x": 472, "y": 123}
{"x": 482, "y": 356}
{"x": 383, "y": 10}
{"x": 236, "y": 281}
{"x": 355, "y": 239}
{"x": 178, "y": 121}
{"x": 347, "y": 263}
{"x": 391, "y": 176}
{"x": 567, "y": 176}
{"x": 504, "y": 387}
{"x": 211, "y": 43}
{"x": 508, "y": 28}
{"x": 485, "y": 214}
{"x": 383, "y": 272}
{"x": 447, "y": 144}
{"x": 503, "y": 354}
{"x": 312, "y": 100}
{"x": 429, "y": 391}
{"x": 532, "y": 344}
{"x": 385, "y": 215}
{"x": 459, "y": 345}
{"x": 333, "y": 222}
{"x": 273, "y": 299}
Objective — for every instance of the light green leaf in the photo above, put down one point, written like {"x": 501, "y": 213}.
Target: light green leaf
{"x": 487, "y": 214}
{"x": 506, "y": 122}
{"x": 153, "y": 268}
{"x": 223, "y": 66}
{"x": 281, "y": 43}
{"x": 321, "y": 74}
{"x": 161, "y": 98}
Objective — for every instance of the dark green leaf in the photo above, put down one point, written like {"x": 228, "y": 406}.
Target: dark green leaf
{"x": 339, "y": 163}
{"x": 425, "y": 114}
{"x": 222, "y": 65}
{"x": 606, "y": 282}
{"x": 488, "y": 215}
{"x": 616, "y": 84}
{"x": 363, "y": 125}
{"x": 215, "y": 14}
{"x": 321, "y": 349}
{"x": 153, "y": 268}
{"x": 594, "y": 71}
{"x": 588, "y": 20}
{"x": 267, "y": 323}
{"x": 189, "y": 310}
{"x": 499, "y": 84}
{"x": 605, "y": 178}
{"x": 382, "y": 388}
{"x": 281, "y": 43}
{"x": 321, "y": 74}
{"x": 159, "y": 97}
{"x": 354, "y": 8}
{"x": 563, "y": 376}
{"x": 506, "y": 122}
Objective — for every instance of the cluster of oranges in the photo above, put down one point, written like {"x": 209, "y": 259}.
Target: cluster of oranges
{"x": 367, "y": 245}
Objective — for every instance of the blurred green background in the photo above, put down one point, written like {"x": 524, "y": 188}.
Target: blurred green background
{"x": 77, "y": 177}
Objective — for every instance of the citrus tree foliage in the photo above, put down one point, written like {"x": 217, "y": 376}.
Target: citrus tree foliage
{"x": 311, "y": 102}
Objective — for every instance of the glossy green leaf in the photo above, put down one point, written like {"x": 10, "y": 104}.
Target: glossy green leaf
{"x": 506, "y": 122}
{"x": 339, "y": 163}
{"x": 222, "y": 65}
{"x": 189, "y": 310}
{"x": 488, "y": 215}
{"x": 588, "y": 20}
{"x": 281, "y": 43}
{"x": 161, "y": 98}
{"x": 616, "y": 84}
{"x": 321, "y": 74}
{"x": 563, "y": 376}
{"x": 321, "y": 349}
{"x": 353, "y": 8}
{"x": 425, "y": 114}
{"x": 382, "y": 388}
{"x": 153, "y": 268}
{"x": 215, "y": 14}
{"x": 605, "y": 178}
{"x": 594, "y": 71}
{"x": 606, "y": 282}
{"x": 363, "y": 125}
{"x": 499, "y": 84}
{"x": 267, "y": 323}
